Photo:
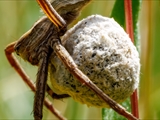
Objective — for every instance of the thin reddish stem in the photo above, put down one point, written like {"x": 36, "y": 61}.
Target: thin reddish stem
{"x": 128, "y": 18}
{"x": 129, "y": 30}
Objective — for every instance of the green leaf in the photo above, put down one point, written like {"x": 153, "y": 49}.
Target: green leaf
{"x": 118, "y": 12}
{"x": 119, "y": 16}
{"x": 135, "y": 12}
{"x": 109, "y": 114}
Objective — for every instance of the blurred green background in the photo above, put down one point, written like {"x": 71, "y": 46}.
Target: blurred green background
{"x": 16, "y": 99}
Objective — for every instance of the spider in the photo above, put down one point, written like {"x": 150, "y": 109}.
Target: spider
{"x": 43, "y": 41}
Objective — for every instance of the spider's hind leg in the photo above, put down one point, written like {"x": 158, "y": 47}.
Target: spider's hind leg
{"x": 54, "y": 95}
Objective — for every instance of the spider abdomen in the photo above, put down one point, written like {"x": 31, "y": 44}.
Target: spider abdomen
{"x": 102, "y": 51}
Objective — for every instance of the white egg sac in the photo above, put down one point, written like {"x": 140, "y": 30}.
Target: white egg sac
{"x": 104, "y": 52}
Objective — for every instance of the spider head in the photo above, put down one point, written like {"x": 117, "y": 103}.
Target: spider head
{"x": 69, "y": 9}
{"x": 31, "y": 44}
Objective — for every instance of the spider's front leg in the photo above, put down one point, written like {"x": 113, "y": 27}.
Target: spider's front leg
{"x": 15, "y": 64}
{"x": 31, "y": 48}
{"x": 41, "y": 83}
{"x": 9, "y": 50}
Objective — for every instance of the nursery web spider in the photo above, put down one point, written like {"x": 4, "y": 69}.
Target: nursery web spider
{"x": 42, "y": 40}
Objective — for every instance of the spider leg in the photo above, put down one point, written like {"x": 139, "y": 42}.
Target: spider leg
{"x": 54, "y": 95}
{"x": 40, "y": 84}
{"x": 51, "y": 13}
{"x": 15, "y": 64}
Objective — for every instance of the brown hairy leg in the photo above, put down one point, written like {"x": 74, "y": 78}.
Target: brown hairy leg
{"x": 15, "y": 64}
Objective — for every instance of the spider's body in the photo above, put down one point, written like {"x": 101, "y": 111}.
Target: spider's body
{"x": 30, "y": 44}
